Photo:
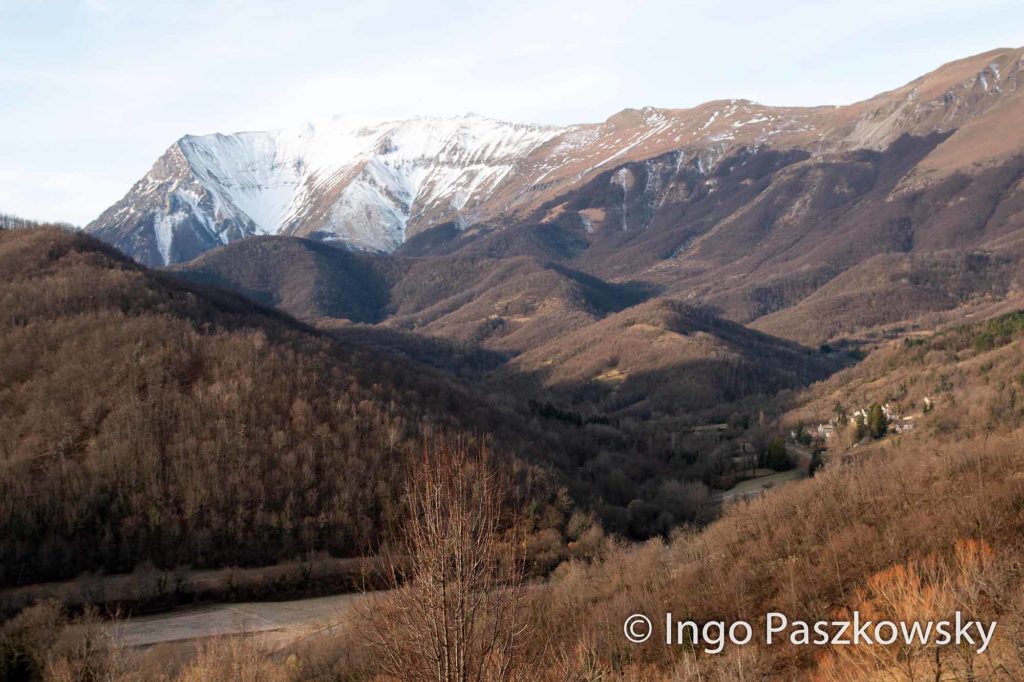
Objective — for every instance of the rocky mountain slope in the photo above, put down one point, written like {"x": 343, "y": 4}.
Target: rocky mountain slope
{"x": 932, "y": 171}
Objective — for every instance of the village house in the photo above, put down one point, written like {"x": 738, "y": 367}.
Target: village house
{"x": 891, "y": 414}
{"x": 825, "y": 431}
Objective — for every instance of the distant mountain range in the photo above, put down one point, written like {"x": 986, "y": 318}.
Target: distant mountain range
{"x": 376, "y": 187}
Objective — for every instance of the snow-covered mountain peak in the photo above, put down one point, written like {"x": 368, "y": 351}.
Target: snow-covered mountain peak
{"x": 354, "y": 180}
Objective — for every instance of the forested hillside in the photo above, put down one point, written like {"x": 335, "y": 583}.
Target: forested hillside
{"x": 147, "y": 420}
{"x": 906, "y": 527}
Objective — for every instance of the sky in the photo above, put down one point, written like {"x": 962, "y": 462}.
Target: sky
{"x": 93, "y": 91}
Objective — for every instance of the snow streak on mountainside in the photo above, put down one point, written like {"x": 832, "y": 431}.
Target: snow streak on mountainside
{"x": 374, "y": 186}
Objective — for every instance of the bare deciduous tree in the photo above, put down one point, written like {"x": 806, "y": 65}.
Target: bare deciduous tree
{"x": 454, "y": 612}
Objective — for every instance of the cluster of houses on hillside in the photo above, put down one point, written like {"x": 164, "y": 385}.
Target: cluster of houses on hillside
{"x": 896, "y": 422}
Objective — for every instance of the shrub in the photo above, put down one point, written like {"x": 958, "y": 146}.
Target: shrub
{"x": 777, "y": 457}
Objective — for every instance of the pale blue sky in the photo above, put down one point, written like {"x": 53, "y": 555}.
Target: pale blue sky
{"x": 93, "y": 91}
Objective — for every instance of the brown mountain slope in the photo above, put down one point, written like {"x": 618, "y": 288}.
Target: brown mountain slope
{"x": 559, "y": 335}
{"x": 509, "y": 305}
{"x": 309, "y": 280}
{"x": 753, "y": 226}
{"x": 974, "y": 99}
{"x": 951, "y": 97}
{"x": 759, "y": 212}
{"x": 894, "y": 288}
{"x": 499, "y": 304}
{"x": 664, "y": 357}
{"x": 763, "y": 230}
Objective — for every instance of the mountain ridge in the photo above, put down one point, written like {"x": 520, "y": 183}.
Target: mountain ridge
{"x": 375, "y": 187}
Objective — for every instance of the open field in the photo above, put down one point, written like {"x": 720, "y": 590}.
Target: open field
{"x": 277, "y": 624}
{"x": 753, "y": 487}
